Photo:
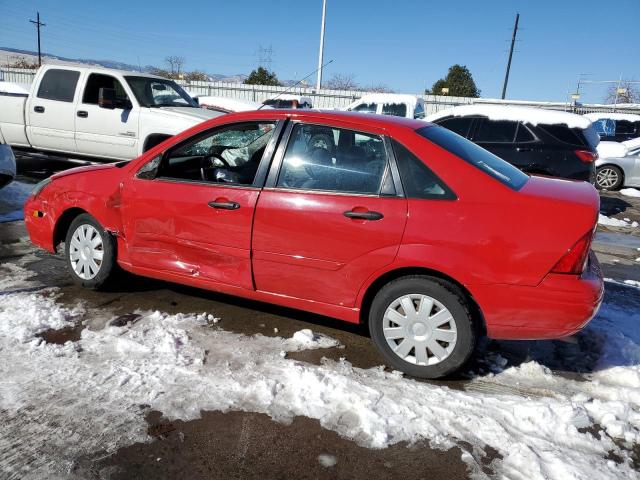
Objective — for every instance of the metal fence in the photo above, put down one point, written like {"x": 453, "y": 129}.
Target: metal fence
{"x": 336, "y": 99}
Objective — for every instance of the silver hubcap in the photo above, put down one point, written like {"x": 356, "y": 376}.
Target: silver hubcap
{"x": 86, "y": 252}
{"x": 607, "y": 177}
{"x": 419, "y": 329}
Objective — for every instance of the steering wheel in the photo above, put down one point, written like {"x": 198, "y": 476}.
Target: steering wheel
{"x": 219, "y": 157}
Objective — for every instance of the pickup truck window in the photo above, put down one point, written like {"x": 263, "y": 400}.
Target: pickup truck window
{"x": 97, "y": 81}
{"x": 58, "y": 85}
{"x": 159, "y": 92}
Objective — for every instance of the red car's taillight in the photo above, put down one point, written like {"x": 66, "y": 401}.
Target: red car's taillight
{"x": 575, "y": 260}
{"x": 586, "y": 156}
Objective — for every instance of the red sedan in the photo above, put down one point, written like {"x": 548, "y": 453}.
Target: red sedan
{"x": 406, "y": 226}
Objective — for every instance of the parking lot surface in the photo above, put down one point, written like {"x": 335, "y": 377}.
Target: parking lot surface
{"x": 567, "y": 385}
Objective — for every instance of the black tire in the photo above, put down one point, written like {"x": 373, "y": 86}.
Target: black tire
{"x": 446, "y": 294}
{"x": 106, "y": 267}
{"x": 614, "y": 170}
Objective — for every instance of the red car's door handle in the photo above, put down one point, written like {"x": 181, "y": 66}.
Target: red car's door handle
{"x": 224, "y": 204}
{"x": 368, "y": 215}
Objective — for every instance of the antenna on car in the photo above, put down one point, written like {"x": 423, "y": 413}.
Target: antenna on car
{"x": 291, "y": 87}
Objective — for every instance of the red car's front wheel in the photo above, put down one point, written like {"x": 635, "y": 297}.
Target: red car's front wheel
{"x": 90, "y": 252}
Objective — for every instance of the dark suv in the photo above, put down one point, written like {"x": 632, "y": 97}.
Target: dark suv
{"x": 553, "y": 149}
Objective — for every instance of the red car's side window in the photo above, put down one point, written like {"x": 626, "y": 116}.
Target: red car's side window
{"x": 333, "y": 159}
{"x": 225, "y": 155}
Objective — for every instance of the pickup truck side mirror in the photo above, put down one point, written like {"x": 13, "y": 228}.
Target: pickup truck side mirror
{"x": 107, "y": 98}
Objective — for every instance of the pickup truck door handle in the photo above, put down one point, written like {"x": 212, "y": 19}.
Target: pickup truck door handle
{"x": 82, "y": 113}
{"x": 524, "y": 149}
{"x": 224, "y": 204}
{"x": 38, "y": 109}
{"x": 368, "y": 215}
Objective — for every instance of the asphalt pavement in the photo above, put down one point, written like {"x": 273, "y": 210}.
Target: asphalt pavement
{"x": 250, "y": 445}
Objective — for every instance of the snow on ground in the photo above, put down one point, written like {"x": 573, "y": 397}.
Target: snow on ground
{"x": 531, "y": 115}
{"x": 60, "y": 402}
{"x": 630, "y": 192}
{"x": 12, "y": 198}
{"x": 615, "y": 222}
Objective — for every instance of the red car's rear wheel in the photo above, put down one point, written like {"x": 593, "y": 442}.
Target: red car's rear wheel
{"x": 422, "y": 326}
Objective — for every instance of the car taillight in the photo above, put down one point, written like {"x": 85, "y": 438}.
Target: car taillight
{"x": 586, "y": 156}
{"x": 575, "y": 260}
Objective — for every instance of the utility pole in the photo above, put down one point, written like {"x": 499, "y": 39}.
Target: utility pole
{"x": 38, "y": 24}
{"x": 513, "y": 42}
{"x": 324, "y": 13}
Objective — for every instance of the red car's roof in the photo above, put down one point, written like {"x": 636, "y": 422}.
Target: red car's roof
{"x": 370, "y": 119}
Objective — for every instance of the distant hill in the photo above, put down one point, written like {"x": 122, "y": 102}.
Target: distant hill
{"x": 8, "y": 55}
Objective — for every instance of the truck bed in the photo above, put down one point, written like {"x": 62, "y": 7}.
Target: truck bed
{"x": 12, "y": 118}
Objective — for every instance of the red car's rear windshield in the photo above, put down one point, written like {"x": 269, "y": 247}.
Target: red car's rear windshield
{"x": 477, "y": 156}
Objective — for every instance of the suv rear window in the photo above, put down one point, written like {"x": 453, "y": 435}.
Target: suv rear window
{"x": 475, "y": 155}
{"x": 496, "y": 131}
{"x": 572, "y": 136}
{"x": 459, "y": 125}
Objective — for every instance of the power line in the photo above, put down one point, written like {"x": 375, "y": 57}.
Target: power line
{"x": 38, "y": 24}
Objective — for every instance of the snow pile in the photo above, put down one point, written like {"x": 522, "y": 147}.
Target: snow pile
{"x": 614, "y": 222}
{"x": 611, "y": 150}
{"x": 630, "y": 192}
{"x": 533, "y": 116}
{"x": 181, "y": 364}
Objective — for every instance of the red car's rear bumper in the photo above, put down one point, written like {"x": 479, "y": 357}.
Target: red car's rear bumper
{"x": 559, "y": 306}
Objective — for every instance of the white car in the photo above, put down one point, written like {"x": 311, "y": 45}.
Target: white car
{"x": 7, "y": 165}
{"x": 227, "y": 105}
{"x": 618, "y": 167}
{"x": 408, "y": 106}
{"x": 96, "y": 112}
{"x": 288, "y": 101}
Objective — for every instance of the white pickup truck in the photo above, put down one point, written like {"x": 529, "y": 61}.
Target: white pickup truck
{"x": 96, "y": 112}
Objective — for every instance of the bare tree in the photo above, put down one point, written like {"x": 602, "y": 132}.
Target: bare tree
{"x": 196, "y": 75}
{"x": 629, "y": 93}
{"x": 379, "y": 88}
{"x": 342, "y": 82}
{"x": 175, "y": 64}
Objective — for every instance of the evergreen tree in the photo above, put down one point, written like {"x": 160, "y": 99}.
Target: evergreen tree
{"x": 262, "y": 76}
{"x": 459, "y": 81}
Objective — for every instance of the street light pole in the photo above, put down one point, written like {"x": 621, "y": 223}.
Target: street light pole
{"x": 324, "y": 13}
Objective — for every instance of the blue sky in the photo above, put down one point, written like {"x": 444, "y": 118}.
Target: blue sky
{"x": 404, "y": 44}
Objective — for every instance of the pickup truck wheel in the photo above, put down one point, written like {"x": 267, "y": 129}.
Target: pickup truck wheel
{"x": 422, "y": 326}
{"x": 90, "y": 252}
